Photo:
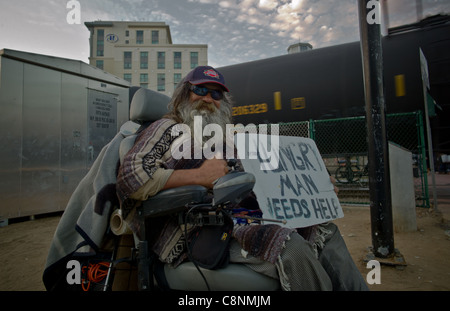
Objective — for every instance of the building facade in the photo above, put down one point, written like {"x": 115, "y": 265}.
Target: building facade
{"x": 143, "y": 53}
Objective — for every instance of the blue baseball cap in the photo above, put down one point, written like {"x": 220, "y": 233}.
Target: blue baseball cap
{"x": 205, "y": 74}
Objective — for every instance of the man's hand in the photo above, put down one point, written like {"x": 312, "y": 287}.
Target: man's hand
{"x": 211, "y": 170}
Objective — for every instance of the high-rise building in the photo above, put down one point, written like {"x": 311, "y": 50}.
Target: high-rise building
{"x": 143, "y": 53}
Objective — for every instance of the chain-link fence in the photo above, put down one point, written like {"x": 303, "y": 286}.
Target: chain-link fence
{"x": 343, "y": 146}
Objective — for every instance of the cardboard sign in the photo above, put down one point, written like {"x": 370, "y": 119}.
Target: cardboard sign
{"x": 297, "y": 188}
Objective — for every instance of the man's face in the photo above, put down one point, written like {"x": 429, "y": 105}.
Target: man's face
{"x": 211, "y": 111}
{"x": 207, "y": 99}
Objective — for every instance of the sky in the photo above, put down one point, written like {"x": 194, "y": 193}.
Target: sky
{"x": 235, "y": 31}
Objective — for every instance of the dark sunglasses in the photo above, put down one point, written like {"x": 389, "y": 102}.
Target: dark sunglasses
{"x": 203, "y": 91}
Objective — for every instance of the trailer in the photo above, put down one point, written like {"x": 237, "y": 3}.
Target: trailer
{"x": 56, "y": 114}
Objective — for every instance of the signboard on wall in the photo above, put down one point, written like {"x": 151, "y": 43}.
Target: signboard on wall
{"x": 112, "y": 38}
{"x": 102, "y": 121}
{"x": 298, "y": 190}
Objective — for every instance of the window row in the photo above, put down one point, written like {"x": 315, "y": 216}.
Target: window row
{"x": 160, "y": 80}
{"x": 161, "y": 59}
{"x": 139, "y": 39}
{"x": 140, "y": 36}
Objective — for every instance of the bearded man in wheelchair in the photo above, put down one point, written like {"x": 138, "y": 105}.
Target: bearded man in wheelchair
{"x": 313, "y": 258}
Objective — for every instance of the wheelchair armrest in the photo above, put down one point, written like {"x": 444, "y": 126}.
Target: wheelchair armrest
{"x": 233, "y": 187}
{"x": 172, "y": 200}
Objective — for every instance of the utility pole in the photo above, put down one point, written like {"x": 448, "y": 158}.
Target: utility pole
{"x": 379, "y": 176}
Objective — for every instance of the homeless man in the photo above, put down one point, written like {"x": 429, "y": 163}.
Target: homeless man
{"x": 313, "y": 258}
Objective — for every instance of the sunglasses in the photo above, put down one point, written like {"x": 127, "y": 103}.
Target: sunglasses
{"x": 203, "y": 91}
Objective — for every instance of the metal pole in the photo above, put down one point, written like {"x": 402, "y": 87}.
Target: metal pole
{"x": 379, "y": 177}
{"x": 385, "y": 10}
{"x": 430, "y": 155}
{"x": 425, "y": 85}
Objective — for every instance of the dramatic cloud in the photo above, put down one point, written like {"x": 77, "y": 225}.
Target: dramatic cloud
{"x": 235, "y": 30}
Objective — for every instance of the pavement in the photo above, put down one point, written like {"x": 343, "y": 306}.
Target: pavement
{"x": 442, "y": 186}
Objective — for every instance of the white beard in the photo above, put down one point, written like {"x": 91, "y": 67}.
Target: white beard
{"x": 208, "y": 112}
{"x": 202, "y": 119}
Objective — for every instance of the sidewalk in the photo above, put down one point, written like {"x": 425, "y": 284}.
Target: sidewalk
{"x": 442, "y": 193}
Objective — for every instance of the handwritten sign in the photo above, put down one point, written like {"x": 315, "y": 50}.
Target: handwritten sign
{"x": 298, "y": 189}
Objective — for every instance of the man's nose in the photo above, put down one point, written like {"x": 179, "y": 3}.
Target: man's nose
{"x": 207, "y": 98}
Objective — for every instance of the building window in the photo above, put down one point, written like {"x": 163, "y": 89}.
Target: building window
{"x": 127, "y": 33}
{"x": 161, "y": 82}
{"x": 176, "y": 79}
{"x": 100, "y": 42}
{"x": 194, "y": 59}
{"x": 99, "y": 64}
{"x": 176, "y": 60}
{"x": 126, "y": 60}
{"x": 144, "y": 78}
{"x": 144, "y": 60}
{"x": 155, "y": 37}
{"x": 139, "y": 37}
{"x": 161, "y": 60}
{"x": 127, "y": 77}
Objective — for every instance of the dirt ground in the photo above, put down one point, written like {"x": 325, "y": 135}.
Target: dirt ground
{"x": 425, "y": 251}
{"x": 24, "y": 247}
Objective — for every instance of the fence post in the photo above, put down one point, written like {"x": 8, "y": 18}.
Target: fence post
{"x": 379, "y": 179}
{"x": 423, "y": 162}
{"x": 312, "y": 130}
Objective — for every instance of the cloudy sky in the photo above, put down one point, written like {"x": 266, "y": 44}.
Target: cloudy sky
{"x": 236, "y": 31}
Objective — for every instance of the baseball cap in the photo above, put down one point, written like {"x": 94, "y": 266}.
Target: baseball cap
{"x": 205, "y": 74}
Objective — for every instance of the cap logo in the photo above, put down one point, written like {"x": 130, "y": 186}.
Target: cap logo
{"x": 211, "y": 73}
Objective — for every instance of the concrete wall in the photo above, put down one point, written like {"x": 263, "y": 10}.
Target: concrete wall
{"x": 402, "y": 189}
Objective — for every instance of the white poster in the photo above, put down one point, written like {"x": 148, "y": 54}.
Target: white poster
{"x": 297, "y": 189}
{"x": 102, "y": 121}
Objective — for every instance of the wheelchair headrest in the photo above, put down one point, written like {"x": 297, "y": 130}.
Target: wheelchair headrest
{"x": 147, "y": 105}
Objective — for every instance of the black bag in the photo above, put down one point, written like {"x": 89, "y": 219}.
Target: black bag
{"x": 210, "y": 244}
